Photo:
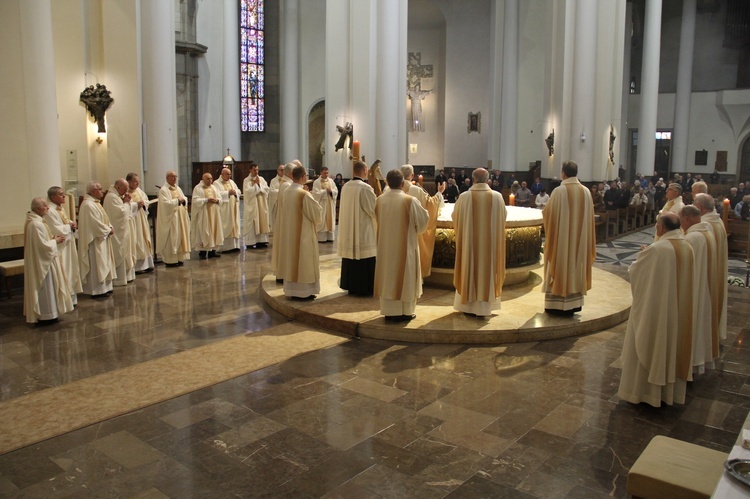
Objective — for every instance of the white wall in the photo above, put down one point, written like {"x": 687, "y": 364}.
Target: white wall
{"x": 313, "y": 63}
{"x": 209, "y": 26}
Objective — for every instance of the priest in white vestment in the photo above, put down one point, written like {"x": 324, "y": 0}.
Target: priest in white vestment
{"x": 705, "y": 203}
{"x": 432, "y": 204}
{"x": 273, "y": 194}
{"x": 120, "y": 213}
{"x": 325, "y": 193}
{"x": 229, "y": 209}
{"x": 60, "y": 224}
{"x": 299, "y": 264}
{"x": 705, "y": 337}
{"x": 255, "y": 191}
{"x": 674, "y": 199}
{"x": 172, "y": 224}
{"x": 570, "y": 244}
{"x": 96, "y": 260}
{"x": 277, "y": 247}
{"x": 656, "y": 354}
{"x": 139, "y": 202}
{"x": 479, "y": 224}
{"x": 46, "y": 293}
{"x": 398, "y": 277}
{"x": 206, "y": 230}
{"x": 357, "y": 244}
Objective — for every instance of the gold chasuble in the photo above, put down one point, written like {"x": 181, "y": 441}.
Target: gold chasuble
{"x": 479, "y": 272}
{"x": 206, "y": 229}
{"x": 298, "y": 262}
{"x": 657, "y": 350}
{"x": 427, "y": 237}
{"x": 172, "y": 225}
{"x": 569, "y": 247}
{"x": 722, "y": 268}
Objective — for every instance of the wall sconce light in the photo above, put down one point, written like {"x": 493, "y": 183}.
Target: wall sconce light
{"x": 550, "y": 141}
{"x": 583, "y": 137}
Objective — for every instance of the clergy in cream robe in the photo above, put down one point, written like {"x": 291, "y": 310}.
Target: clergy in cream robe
{"x": 479, "y": 223}
{"x": 398, "y": 278}
{"x": 277, "y": 247}
{"x": 299, "y": 264}
{"x": 120, "y": 213}
{"x": 273, "y": 194}
{"x": 139, "y": 202}
{"x": 172, "y": 223}
{"x": 325, "y": 193}
{"x": 60, "y": 224}
{"x": 674, "y": 199}
{"x": 96, "y": 261}
{"x": 229, "y": 210}
{"x": 46, "y": 293}
{"x": 255, "y": 191}
{"x": 698, "y": 234}
{"x": 205, "y": 224}
{"x": 656, "y": 353}
{"x": 432, "y": 204}
{"x": 357, "y": 244}
{"x": 705, "y": 203}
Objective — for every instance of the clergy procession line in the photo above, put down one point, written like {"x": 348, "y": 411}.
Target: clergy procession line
{"x": 385, "y": 242}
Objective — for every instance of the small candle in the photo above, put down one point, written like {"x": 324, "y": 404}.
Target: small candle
{"x": 355, "y": 150}
{"x": 725, "y": 215}
{"x": 420, "y": 179}
{"x": 512, "y": 199}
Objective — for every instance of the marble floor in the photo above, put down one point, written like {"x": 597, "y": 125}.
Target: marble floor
{"x": 361, "y": 418}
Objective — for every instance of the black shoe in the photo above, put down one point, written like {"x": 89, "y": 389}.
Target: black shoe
{"x": 180, "y": 264}
{"x": 395, "y": 318}
{"x": 261, "y": 245}
{"x": 172, "y": 265}
{"x": 46, "y": 322}
{"x": 408, "y": 317}
{"x": 99, "y": 297}
{"x": 213, "y": 254}
{"x": 303, "y": 298}
{"x": 202, "y": 255}
{"x": 279, "y": 281}
{"x": 561, "y": 313}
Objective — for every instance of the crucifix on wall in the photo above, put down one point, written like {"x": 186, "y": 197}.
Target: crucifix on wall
{"x": 415, "y": 72}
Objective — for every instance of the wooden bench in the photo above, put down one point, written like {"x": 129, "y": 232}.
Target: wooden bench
{"x": 8, "y": 270}
{"x": 672, "y": 468}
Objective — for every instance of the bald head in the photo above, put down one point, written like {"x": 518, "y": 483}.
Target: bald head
{"x": 666, "y": 222}
{"x": 121, "y": 186}
{"x": 689, "y": 216}
{"x": 480, "y": 176}
{"x": 705, "y": 203}
{"x": 39, "y": 206}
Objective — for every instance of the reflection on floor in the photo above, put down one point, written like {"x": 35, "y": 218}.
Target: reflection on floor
{"x": 363, "y": 418}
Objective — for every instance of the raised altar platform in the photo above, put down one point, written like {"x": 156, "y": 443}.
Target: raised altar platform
{"x": 521, "y": 317}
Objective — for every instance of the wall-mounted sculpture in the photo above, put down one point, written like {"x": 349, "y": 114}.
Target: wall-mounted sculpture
{"x": 550, "y": 141}
{"x": 612, "y": 138}
{"x": 346, "y": 131}
{"x": 97, "y": 100}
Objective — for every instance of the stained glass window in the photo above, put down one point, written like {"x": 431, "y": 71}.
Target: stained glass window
{"x": 252, "y": 74}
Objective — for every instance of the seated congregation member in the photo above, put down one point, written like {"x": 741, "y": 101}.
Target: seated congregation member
{"x": 206, "y": 229}
{"x": 523, "y": 195}
{"x": 144, "y": 250}
{"x": 398, "y": 278}
{"x": 597, "y": 198}
{"x": 479, "y": 272}
{"x": 325, "y": 193}
{"x": 537, "y": 186}
{"x": 705, "y": 203}
{"x": 541, "y": 199}
{"x": 46, "y": 293}
{"x": 173, "y": 224}
{"x": 656, "y": 354}
{"x": 257, "y": 227}
{"x": 705, "y": 337}
{"x": 451, "y": 192}
{"x": 674, "y": 199}
{"x": 118, "y": 209}
{"x": 299, "y": 264}
{"x": 95, "y": 254}
{"x": 639, "y": 198}
{"x": 612, "y": 197}
{"x": 357, "y": 245}
{"x": 570, "y": 244}
{"x": 229, "y": 210}
{"x": 432, "y": 204}
{"x": 60, "y": 224}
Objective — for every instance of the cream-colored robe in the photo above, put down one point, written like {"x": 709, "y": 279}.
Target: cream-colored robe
{"x": 144, "y": 249}
{"x": 230, "y": 214}
{"x": 256, "y": 210}
{"x": 722, "y": 269}
{"x": 46, "y": 293}
{"x": 299, "y": 262}
{"x": 479, "y": 271}
{"x": 427, "y": 238}
{"x": 569, "y": 247}
{"x": 123, "y": 245}
{"x": 206, "y": 231}
{"x": 273, "y": 198}
{"x": 656, "y": 355}
{"x": 327, "y": 227}
{"x": 277, "y": 240}
{"x": 58, "y": 222}
{"x": 356, "y": 238}
{"x": 675, "y": 205}
{"x": 398, "y": 277}
{"x": 172, "y": 225}
{"x": 701, "y": 239}
{"x": 96, "y": 260}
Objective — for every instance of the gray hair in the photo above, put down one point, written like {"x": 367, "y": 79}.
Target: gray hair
{"x": 480, "y": 176}
{"x": 704, "y": 202}
{"x": 52, "y": 191}
{"x": 37, "y": 203}
{"x": 407, "y": 171}
{"x": 288, "y": 168}
{"x": 91, "y": 186}
{"x": 700, "y": 187}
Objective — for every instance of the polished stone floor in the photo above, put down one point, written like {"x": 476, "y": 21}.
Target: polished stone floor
{"x": 365, "y": 418}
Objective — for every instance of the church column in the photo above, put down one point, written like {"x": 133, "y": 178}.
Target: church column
{"x": 41, "y": 98}
{"x": 684, "y": 87}
{"x": 582, "y": 133}
{"x": 626, "y": 75}
{"x": 292, "y": 117}
{"x": 509, "y": 92}
{"x": 159, "y": 94}
{"x": 649, "y": 88}
{"x": 231, "y": 87}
